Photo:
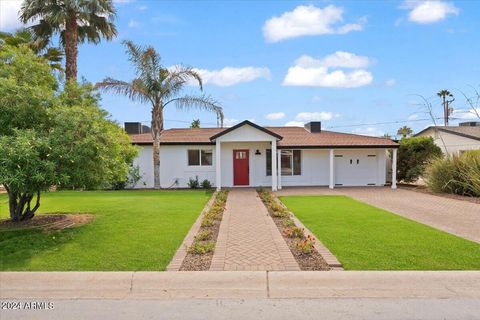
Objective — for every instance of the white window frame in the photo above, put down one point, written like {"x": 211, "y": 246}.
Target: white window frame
{"x": 279, "y": 165}
{"x": 199, "y": 158}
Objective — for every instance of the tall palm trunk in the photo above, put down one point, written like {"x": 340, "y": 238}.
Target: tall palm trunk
{"x": 157, "y": 128}
{"x": 71, "y": 47}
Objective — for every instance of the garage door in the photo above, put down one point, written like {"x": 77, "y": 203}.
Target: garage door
{"x": 355, "y": 168}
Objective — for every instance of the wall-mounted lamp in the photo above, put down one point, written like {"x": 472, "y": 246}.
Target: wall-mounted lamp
{"x": 257, "y": 152}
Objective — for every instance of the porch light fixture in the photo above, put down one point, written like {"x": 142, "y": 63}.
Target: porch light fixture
{"x": 258, "y": 152}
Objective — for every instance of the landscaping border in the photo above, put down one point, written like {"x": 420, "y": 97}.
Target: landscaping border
{"x": 327, "y": 255}
{"x": 182, "y": 251}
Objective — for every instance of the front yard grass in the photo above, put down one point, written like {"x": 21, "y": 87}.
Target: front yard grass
{"x": 132, "y": 230}
{"x": 364, "y": 237}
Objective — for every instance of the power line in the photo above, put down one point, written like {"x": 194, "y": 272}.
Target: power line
{"x": 381, "y": 123}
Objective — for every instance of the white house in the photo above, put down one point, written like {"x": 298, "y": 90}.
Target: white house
{"x": 248, "y": 154}
{"x": 454, "y": 140}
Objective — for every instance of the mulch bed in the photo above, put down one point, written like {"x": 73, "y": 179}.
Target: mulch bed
{"x": 424, "y": 189}
{"x": 201, "y": 262}
{"x": 307, "y": 262}
{"x": 49, "y": 222}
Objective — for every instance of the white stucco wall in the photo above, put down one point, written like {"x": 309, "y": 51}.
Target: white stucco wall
{"x": 315, "y": 166}
{"x": 454, "y": 143}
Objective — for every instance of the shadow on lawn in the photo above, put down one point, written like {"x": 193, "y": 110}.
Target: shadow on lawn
{"x": 19, "y": 246}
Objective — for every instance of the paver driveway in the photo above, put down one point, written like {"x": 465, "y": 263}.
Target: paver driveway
{"x": 457, "y": 217}
{"x": 248, "y": 238}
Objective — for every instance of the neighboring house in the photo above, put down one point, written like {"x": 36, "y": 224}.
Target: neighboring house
{"x": 247, "y": 155}
{"x": 454, "y": 140}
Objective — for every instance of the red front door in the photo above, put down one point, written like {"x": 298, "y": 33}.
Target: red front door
{"x": 240, "y": 168}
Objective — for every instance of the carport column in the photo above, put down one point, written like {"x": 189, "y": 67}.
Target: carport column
{"x": 274, "y": 165}
{"x": 218, "y": 165}
{"x": 279, "y": 171}
{"x": 394, "y": 169}
{"x": 331, "y": 183}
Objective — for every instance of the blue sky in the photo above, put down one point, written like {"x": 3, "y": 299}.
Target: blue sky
{"x": 351, "y": 64}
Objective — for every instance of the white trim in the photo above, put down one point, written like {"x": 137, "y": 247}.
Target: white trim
{"x": 394, "y": 169}
{"x": 331, "y": 183}
{"x": 274, "y": 165}
{"x": 279, "y": 172}
{"x": 218, "y": 165}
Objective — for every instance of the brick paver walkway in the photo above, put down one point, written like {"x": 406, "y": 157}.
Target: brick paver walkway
{"x": 458, "y": 217}
{"x": 248, "y": 237}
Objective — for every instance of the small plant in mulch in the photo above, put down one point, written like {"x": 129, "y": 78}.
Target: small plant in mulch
{"x": 287, "y": 222}
{"x": 203, "y": 235}
{"x": 306, "y": 245}
{"x": 294, "y": 232}
{"x": 207, "y": 222}
{"x": 200, "y": 247}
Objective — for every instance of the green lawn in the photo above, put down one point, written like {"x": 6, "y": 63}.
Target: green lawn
{"x": 132, "y": 230}
{"x": 364, "y": 237}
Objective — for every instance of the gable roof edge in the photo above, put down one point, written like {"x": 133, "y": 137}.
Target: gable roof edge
{"x": 241, "y": 124}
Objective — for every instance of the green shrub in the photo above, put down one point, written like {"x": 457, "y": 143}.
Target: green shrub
{"x": 201, "y": 247}
{"x": 193, "y": 183}
{"x": 458, "y": 174}
{"x": 413, "y": 156}
{"x": 206, "y": 184}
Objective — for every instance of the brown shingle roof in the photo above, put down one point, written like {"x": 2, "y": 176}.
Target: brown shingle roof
{"x": 292, "y": 137}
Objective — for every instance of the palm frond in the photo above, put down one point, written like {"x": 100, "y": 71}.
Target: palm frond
{"x": 135, "y": 90}
{"x": 180, "y": 75}
{"x": 202, "y": 102}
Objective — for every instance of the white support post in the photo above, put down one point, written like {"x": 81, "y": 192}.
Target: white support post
{"x": 394, "y": 169}
{"x": 274, "y": 165}
{"x": 218, "y": 165}
{"x": 279, "y": 170}
{"x": 331, "y": 183}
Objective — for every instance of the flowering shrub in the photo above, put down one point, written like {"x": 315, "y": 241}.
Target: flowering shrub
{"x": 201, "y": 247}
{"x": 293, "y": 232}
{"x": 306, "y": 245}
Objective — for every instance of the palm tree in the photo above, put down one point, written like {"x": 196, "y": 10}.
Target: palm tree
{"x": 404, "y": 131}
{"x": 160, "y": 87}
{"x": 76, "y": 21}
{"x": 446, "y": 110}
{"x": 195, "y": 123}
{"x": 26, "y": 37}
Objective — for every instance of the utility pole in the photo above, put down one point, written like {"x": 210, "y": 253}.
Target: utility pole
{"x": 444, "y": 94}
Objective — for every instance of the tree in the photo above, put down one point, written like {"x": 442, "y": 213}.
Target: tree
{"x": 444, "y": 94}
{"x": 47, "y": 140}
{"x": 76, "y": 21}
{"x": 413, "y": 155}
{"x": 404, "y": 132}
{"x": 386, "y": 135}
{"x": 25, "y": 37}
{"x": 195, "y": 123}
{"x": 160, "y": 87}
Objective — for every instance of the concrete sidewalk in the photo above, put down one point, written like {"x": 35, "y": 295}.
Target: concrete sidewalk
{"x": 239, "y": 285}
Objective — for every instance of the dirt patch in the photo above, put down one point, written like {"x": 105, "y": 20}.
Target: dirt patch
{"x": 424, "y": 189}
{"x": 57, "y": 221}
{"x": 202, "y": 261}
{"x": 307, "y": 262}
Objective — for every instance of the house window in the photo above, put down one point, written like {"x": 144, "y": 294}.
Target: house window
{"x": 198, "y": 157}
{"x": 291, "y": 162}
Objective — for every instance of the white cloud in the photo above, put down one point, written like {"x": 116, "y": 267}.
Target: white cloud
{"x": 316, "y": 99}
{"x": 429, "y": 11}
{"x": 315, "y": 116}
{"x": 142, "y": 8}
{"x": 230, "y": 76}
{"x": 339, "y": 59}
{"x": 369, "y": 131}
{"x": 308, "y": 21}
{"x": 294, "y": 124}
{"x": 230, "y": 122}
{"x": 9, "y": 10}
{"x": 275, "y": 116}
{"x": 310, "y": 72}
{"x": 133, "y": 24}
{"x": 390, "y": 82}
{"x": 413, "y": 117}
{"x": 466, "y": 114}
